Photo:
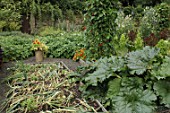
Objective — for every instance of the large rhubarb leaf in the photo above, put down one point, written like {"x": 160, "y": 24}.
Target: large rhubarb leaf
{"x": 113, "y": 87}
{"x": 105, "y": 68}
{"x": 162, "y": 88}
{"x": 135, "y": 101}
{"x": 141, "y": 60}
{"x": 162, "y": 71}
{"x": 165, "y": 67}
{"x": 132, "y": 83}
{"x": 132, "y": 98}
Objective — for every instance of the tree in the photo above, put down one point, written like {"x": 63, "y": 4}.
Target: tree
{"x": 9, "y": 16}
{"x": 40, "y": 10}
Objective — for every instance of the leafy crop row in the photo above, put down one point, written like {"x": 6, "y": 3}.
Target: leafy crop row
{"x": 18, "y": 46}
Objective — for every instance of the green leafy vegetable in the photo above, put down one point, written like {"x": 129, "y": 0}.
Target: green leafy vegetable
{"x": 113, "y": 87}
{"x": 135, "y": 101}
{"x": 163, "y": 70}
{"x": 141, "y": 60}
{"x": 162, "y": 89}
{"x": 105, "y": 68}
{"x": 132, "y": 98}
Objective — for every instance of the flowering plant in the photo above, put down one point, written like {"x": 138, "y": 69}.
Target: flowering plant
{"x": 37, "y": 45}
{"x": 80, "y": 54}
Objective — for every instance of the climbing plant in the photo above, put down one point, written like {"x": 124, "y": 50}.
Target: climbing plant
{"x": 99, "y": 18}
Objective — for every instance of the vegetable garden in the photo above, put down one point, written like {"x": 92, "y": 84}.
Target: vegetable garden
{"x": 124, "y": 52}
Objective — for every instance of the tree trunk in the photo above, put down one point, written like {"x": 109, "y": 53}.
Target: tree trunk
{"x": 26, "y": 28}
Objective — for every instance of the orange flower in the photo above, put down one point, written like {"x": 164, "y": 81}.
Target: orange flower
{"x": 81, "y": 54}
{"x": 82, "y": 50}
{"x": 38, "y": 43}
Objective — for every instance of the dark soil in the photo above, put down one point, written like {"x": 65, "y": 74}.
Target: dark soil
{"x": 4, "y": 72}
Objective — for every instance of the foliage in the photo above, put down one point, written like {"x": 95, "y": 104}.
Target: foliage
{"x": 48, "y": 31}
{"x": 164, "y": 46}
{"x": 162, "y": 89}
{"x": 120, "y": 45}
{"x": 70, "y": 15}
{"x": 14, "y": 34}
{"x": 125, "y": 23}
{"x": 1, "y": 55}
{"x": 42, "y": 88}
{"x": 15, "y": 47}
{"x": 50, "y": 12}
{"x": 9, "y": 16}
{"x": 105, "y": 68}
{"x": 37, "y": 45}
{"x": 138, "y": 43}
{"x": 132, "y": 98}
{"x": 68, "y": 26}
{"x": 151, "y": 40}
{"x": 113, "y": 87}
{"x": 141, "y": 60}
{"x": 100, "y": 27}
{"x": 164, "y": 11}
{"x": 161, "y": 72}
{"x": 64, "y": 45}
{"x": 141, "y": 2}
{"x": 33, "y": 14}
{"x": 164, "y": 34}
{"x": 131, "y": 83}
{"x": 149, "y": 23}
{"x": 18, "y": 46}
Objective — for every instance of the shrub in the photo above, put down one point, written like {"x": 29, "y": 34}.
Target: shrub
{"x": 149, "y": 23}
{"x": 163, "y": 10}
{"x": 125, "y": 23}
{"x": 15, "y": 47}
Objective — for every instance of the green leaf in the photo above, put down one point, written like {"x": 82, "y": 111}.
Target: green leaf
{"x": 113, "y": 87}
{"x": 135, "y": 101}
{"x": 132, "y": 83}
{"x": 162, "y": 88}
{"x": 105, "y": 68}
{"x": 141, "y": 60}
{"x": 162, "y": 71}
{"x": 132, "y": 98}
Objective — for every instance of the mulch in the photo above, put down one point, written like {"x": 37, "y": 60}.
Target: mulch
{"x": 4, "y": 72}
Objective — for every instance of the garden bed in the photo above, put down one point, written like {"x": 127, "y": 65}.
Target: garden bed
{"x": 38, "y": 87}
{"x": 44, "y": 87}
{"x": 4, "y": 72}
